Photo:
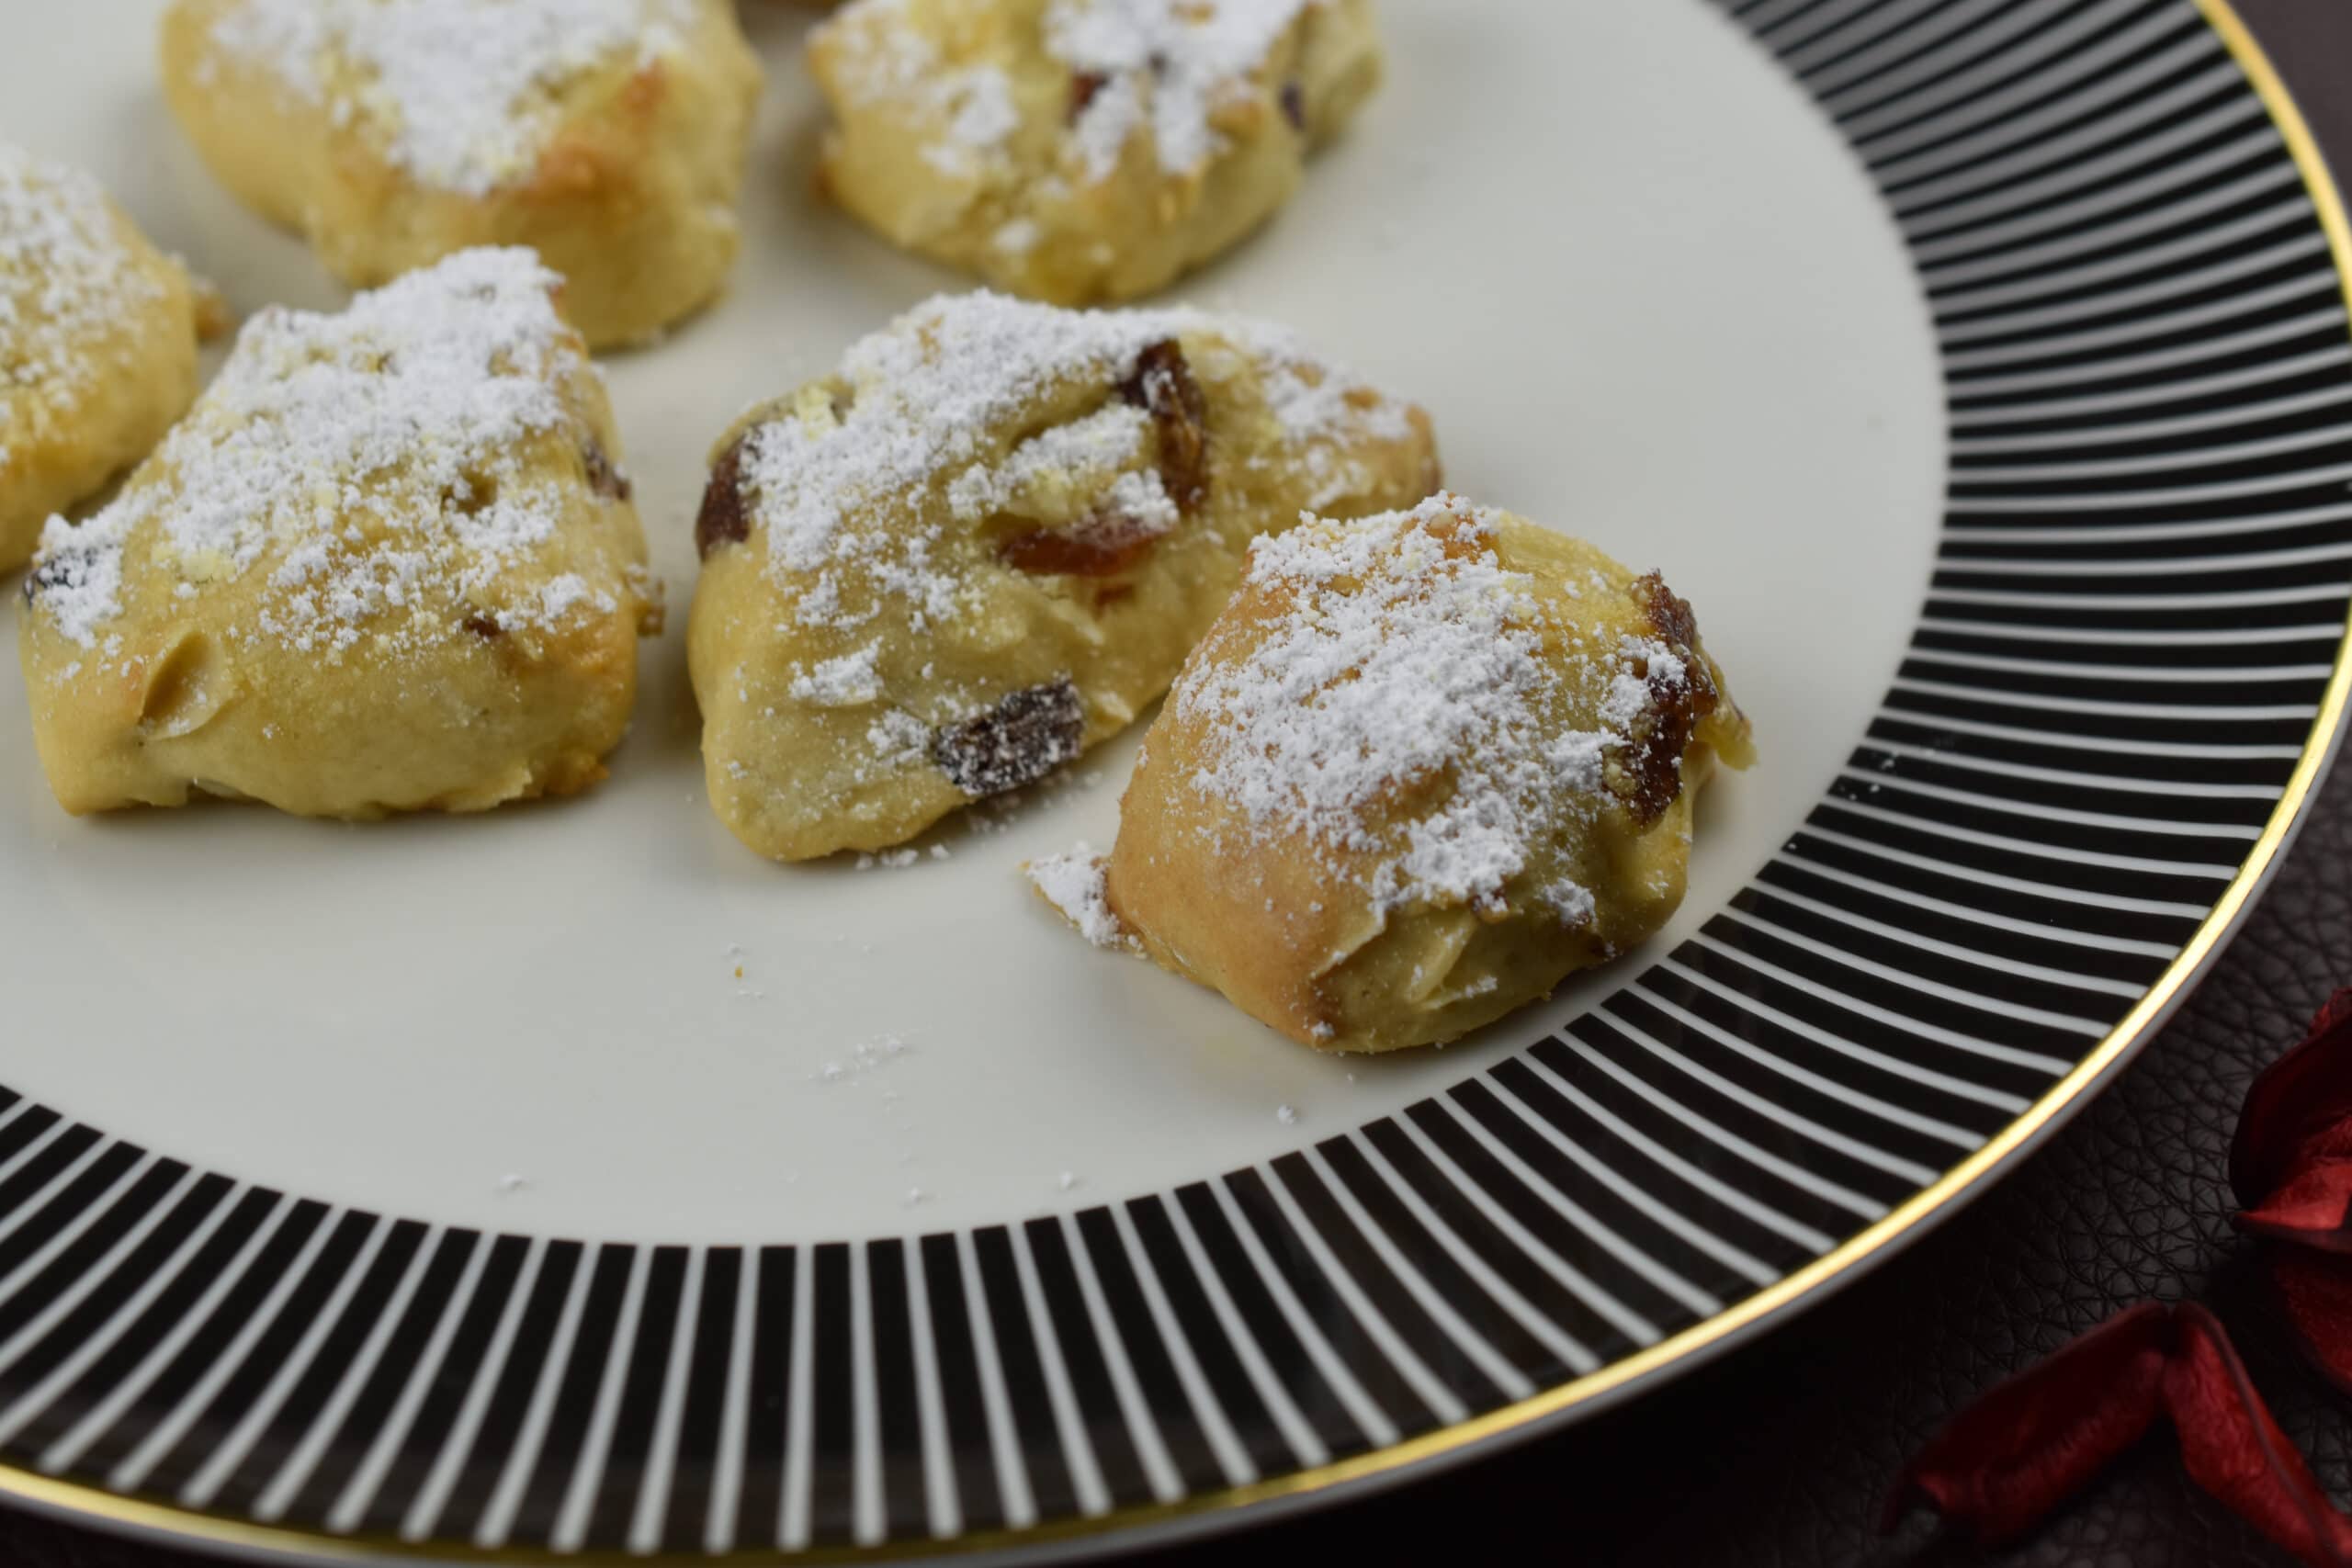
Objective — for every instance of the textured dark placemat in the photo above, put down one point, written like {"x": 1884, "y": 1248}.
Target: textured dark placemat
{"x": 1778, "y": 1454}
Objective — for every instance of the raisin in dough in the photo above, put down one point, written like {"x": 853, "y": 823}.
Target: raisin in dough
{"x": 1424, "y": 767}
{"x": 609, "y": 135}
{"x": 387, "y": 563}
{"x": 986, "y": 544}
{"x": 98, "y": 344}
{"x": 1077, "y": 151}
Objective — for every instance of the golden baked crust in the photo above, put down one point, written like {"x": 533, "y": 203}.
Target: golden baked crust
{"x": 1424, "y": 767}
{"x": 98, "y": 344}
{"x": 1079, "y": 150}
{"x": 609, "y": 135}
{"x": 986, "y": 545}
{"x": 387, "y": 563}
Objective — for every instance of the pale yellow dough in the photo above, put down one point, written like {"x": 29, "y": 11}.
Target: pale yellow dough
{"x": 1423, "y": 768}
{"x": 1082, "y": 151}
{"x": 98, "y": 344}
{"x": 986, "y": 544}
{"x": 609, "y": 135}
{"x": 387, "y": 563}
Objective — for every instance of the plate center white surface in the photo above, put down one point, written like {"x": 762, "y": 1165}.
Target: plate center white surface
{"x": 1648, "y": 296}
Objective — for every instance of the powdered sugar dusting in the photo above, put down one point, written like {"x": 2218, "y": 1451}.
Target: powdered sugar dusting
{"x": 1088, "y": 451}
{"x": 1323, "y": 410}
{"x": 833, "y": 483}
{"x": 895, "y": 61}
{"x": 66, "y": 279}
{"x": 985, "y": 115}
{"x": 466, "y": 93}
{"x": 850, "y": 681}
{"x": 367, "y": 454}
{"x": 1405, "y": 653}
{"x": 1161, "y": 71}
{"x": 1167, "y": 65}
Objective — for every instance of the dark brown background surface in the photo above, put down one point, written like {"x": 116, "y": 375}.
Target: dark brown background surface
{"x": 1778, "y": 1454}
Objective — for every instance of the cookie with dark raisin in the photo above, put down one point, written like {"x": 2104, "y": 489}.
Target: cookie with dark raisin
{"x": 985, "y": 543}
{"x": 1424, "y": 767}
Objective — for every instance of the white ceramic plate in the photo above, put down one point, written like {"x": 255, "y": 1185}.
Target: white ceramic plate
{"x": 439, "y": 1185}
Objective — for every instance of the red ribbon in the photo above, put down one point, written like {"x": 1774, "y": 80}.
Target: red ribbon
{"x": 2003, "y": 1464}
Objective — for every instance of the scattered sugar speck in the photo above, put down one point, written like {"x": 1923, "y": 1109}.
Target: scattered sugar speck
{"x": 1075, "y": 885}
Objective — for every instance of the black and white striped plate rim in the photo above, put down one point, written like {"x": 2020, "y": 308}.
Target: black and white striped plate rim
{"x": 2124, "y": 681}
